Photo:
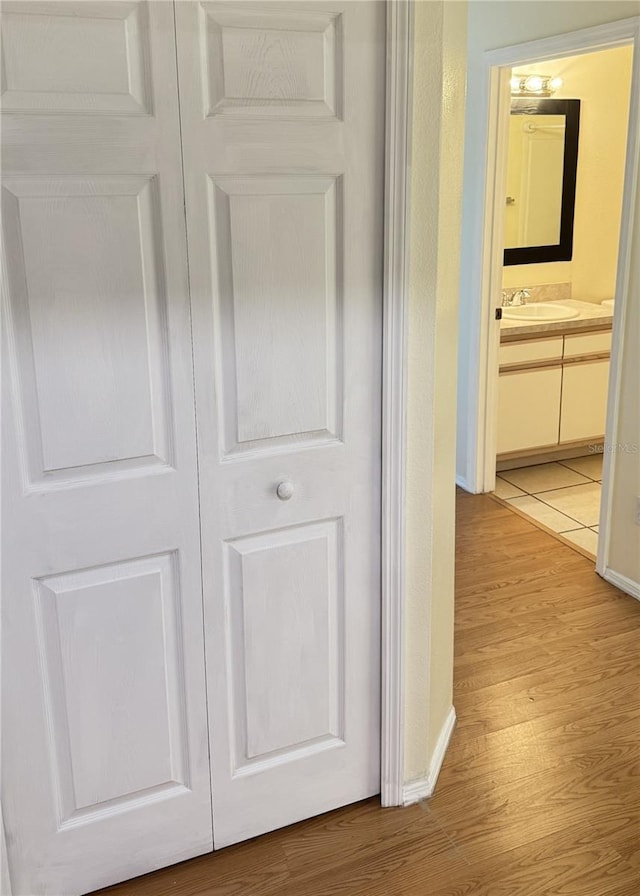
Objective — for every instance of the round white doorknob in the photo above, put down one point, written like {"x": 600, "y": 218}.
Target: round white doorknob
{"x": 285, "y": 490}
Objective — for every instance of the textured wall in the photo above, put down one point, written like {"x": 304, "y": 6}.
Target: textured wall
{"x": 436, "y": 198}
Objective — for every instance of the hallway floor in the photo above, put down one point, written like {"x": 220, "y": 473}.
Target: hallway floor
{"x": 562, "y": 497}
{"x": 539, "y": 794}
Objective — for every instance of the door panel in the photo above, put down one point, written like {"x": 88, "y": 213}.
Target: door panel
{"x": 283, "y": 139}
{"x": 271, "y": 63}
{"x": 104, "y": 736}
{"x": 103, "y": 406}
{"x": 75, "y": 57}
{"x": 287, "y": 691}
{"x": 103, "y": 694}
{"x": 279, "y": 314}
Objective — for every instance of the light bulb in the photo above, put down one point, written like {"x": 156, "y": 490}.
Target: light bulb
{"x": 555, "y": 83}
{"x": 534, "y": 83}
{"x": 515, "y": 84}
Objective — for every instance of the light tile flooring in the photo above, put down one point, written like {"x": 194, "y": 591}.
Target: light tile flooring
{"x": 564, "y": 497}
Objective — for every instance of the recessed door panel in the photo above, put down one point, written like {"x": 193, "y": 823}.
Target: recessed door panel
{"x": 89, "y": 320}
{"x": 285, "y": 596}
{"x": 271, "y": 63}
{"x": 278, "y": 308}
{"x": 113, "y": 681}
{"x": 75, "y": 57}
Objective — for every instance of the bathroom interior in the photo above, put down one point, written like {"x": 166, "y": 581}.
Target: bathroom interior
{"x": 559, "y": 287}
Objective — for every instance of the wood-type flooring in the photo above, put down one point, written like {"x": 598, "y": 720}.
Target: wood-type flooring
{"x": 539, "y": 794}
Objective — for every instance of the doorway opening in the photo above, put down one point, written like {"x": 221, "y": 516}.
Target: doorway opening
{"x": 562, "y": 214}
{"x": 554, "y": 359}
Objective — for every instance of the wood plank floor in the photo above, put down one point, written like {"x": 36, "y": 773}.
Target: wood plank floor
{"x": 539, "y": 794}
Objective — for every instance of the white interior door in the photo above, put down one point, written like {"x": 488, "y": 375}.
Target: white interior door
{"x": 104, "y": 730}
{"x": 283, "y": 135}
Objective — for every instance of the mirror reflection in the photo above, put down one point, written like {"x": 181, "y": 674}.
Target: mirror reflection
{"x": 534, "y": 180}
{"x": 541, "y": 180}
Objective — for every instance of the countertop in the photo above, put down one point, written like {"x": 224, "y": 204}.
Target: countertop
{"x": 591, "y": 317}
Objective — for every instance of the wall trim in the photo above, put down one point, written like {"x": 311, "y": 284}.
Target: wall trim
{"x": 486, "y": 255}
{"x": 622, "y": 583}
{"x": 394, "y": 394}
{"x": 423, "y": 788}
{"x": 461, "y": 482}
{"x": 416, "y": 790}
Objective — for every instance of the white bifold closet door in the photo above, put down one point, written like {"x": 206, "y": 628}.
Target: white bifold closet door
{"x": 283, "y": 142}
{"x": 105, "y": 770}
{"x": 134, "y": 566}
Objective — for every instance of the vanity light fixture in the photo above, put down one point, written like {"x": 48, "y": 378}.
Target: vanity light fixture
{"x": 534, "y": 85}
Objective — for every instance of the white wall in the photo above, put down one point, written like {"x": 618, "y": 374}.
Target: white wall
{"x": 493, "y": 24}
{"x": 436, "y": 202}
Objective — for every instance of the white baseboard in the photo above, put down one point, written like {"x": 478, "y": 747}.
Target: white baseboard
{"x": 622, "y": 582}
{"x": 462, "y": 483}
{"x": 422, "y": 788}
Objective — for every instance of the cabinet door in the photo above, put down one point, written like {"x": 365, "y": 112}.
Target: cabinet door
{"x": 528, "y": 408}
{"x": 584, "y": 400}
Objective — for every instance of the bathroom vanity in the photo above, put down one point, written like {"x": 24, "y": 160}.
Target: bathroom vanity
{"x": 553, "y": 382}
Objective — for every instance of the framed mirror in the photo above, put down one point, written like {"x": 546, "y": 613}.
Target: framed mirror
{"x": 541, "y": 180}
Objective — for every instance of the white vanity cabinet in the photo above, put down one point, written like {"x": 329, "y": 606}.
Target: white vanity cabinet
{"x": 552, "y": 391}
{"x": 583, "y": 409}
{"x": 529, "y": 408}
{"x": 529, "y": 391}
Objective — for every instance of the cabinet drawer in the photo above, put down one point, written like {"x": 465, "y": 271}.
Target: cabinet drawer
{"x": 587, "y": 344}
{"x": 531, "y": 350}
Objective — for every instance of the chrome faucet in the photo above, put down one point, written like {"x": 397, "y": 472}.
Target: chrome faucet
{"x": 515, "y": 297}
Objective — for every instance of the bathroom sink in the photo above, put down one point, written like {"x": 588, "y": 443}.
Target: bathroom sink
{"x": 540, "y": 311}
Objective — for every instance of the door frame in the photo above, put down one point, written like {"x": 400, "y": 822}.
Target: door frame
{"x": 394, "y": 394}
{"x": 487, "y": 260}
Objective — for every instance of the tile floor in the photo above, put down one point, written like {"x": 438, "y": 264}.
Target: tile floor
{"x": 563, "y": 496}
